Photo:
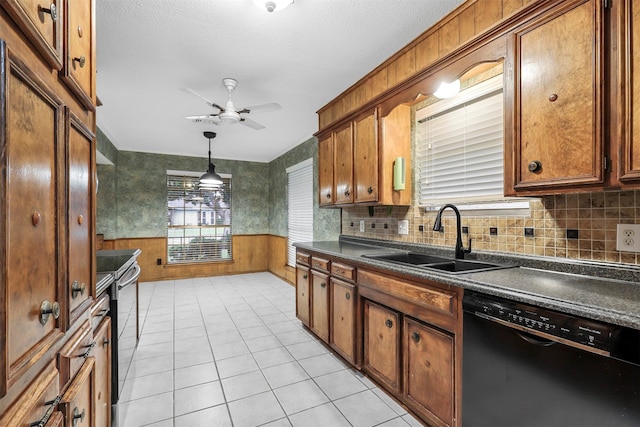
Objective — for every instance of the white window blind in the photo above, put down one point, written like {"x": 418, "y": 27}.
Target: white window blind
{"x": 300, "y": 210}
{"x": 198, "y": 221}
{"x": 459, "y": 150}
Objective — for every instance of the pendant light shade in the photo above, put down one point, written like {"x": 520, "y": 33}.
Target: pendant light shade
{"x": 210, "y": 180}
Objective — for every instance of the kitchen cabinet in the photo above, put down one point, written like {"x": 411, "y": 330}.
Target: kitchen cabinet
{"x": 320, "y": 305}
{"x": 102, "y": 391}
{"x": 303, "y": 296}
{"x": 364, "y": 151}
{"x": 429, "y": 384}
{"x": 78, "y": 402}
{"x": 381, "y": 347}
{"x": 343, "y": 308}
{"x": 325, "y": 171}
{"x": 558, "y": 100}
{"x": 629, "y": 21}
{"x": 343, "y": 165}
{"x": 80, "y": 193}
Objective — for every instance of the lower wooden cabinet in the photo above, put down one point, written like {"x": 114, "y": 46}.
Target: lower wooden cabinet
{"x": 78, "y": 402}
{"x": 102, "y": 354}
{"x": 320, "y": 305}
{"x": 343, "y": 319}
{"x": 381, "y": 349}
{"x": 429, "y": 382}
{"x": 303, "y": 296}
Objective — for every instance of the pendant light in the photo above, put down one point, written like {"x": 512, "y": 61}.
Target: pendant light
{"x": 210, "y": 180}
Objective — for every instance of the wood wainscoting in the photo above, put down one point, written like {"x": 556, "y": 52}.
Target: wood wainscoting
{"x": 251, "y": 253}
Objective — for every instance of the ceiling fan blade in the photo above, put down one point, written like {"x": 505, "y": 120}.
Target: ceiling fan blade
{"x": 213, "y": 104}
{"x": 262, "y": 108}
{"x": 250, "y": 123}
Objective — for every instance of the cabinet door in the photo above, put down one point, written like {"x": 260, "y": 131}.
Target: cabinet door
{"x": 343, "y": 319}
{"x": 302, "y": 294}
{"x": 79, "y": 65}
{"x": 343, "y": 165}
{"x": 30, "y": 157}
{"x": 365, "y": 157}
{"x": 80, "y": 229}
{"x": 429, "y": 374}
{"x": 78, "y": 401}
{"x": 320, "y": 305}
{"x": 42, "y": 22}
{"x": 558, "y": 98}
{"x": 630, "y": 162}
{"x": 102, "y": 390}
{"x": 325, "y": 171}
{"x": 381, "y": 351}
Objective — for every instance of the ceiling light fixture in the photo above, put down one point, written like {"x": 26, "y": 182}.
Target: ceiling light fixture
{"x": 447, "y": 90}
{"x": 210, "y": 180}
{"x": 273, "y": 5}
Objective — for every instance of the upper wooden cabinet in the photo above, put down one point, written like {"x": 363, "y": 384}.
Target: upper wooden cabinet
{"x": 356, "y": 160}
{"x": 42, "y": 22}
{"x": 558, "y": 97}
{"x": 79, "y": 69}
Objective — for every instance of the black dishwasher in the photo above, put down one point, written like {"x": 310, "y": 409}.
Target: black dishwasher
{"x": 530, "y": 366}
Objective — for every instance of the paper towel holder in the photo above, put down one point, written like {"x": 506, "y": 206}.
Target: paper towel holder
{"x": 399, "y": 174}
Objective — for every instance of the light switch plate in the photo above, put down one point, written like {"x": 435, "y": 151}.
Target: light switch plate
{"x": 628, "y": 237}
{"x": 403, "y": 226}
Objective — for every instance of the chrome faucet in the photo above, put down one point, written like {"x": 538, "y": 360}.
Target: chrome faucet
{"x": 460, "y": 251}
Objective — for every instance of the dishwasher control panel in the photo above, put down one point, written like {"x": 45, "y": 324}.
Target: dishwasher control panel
{"x": 573, "y": 328}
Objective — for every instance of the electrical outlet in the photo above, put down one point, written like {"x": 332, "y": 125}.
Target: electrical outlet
{"x": 362, "y": 225}
{"x": 403, "y": 227}
{"x": 628, "y": 237}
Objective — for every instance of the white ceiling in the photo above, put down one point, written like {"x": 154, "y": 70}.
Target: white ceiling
{"x": 302, "y": 57}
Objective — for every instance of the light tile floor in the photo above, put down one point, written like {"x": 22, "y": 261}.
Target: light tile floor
{"x": 229, "y": 351}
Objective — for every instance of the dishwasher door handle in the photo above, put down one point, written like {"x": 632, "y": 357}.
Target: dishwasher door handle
{"x": 531, "y": 339}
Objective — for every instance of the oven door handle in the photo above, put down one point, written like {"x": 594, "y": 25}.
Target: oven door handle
{"x": 133, "y": 278}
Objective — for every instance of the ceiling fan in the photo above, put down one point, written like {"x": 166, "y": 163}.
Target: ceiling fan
{"x": 228, "y": 113}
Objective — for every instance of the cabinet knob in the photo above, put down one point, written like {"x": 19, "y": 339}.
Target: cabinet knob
{"x": 370, "y": 190}
{"x": 304, "y": 277}
{"x": 51, "y": 11}
{"x": 49, "y": 309}
{"x": 553, "y": 97}
{"x": 77, "y": 288}
{"x": 323, "y": 285}
{"x": 535, "y": 166}
{"x": 35, "y": 218}
{"x": 415, "y": 336}
{"x": 347, "y": 296}
{"x": 328, "y": 195}
{"x": 77, "y": 415}
{"x": 388, "y": 323}
{"x": 347, "y": 192}
{"x": 81, "y": 61}
{"x": 80, "y": 219}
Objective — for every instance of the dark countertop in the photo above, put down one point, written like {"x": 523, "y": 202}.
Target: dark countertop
{"x": 602, "y": 291}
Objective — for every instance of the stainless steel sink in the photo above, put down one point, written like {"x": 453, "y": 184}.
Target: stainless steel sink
{"x": 432, "y": 262}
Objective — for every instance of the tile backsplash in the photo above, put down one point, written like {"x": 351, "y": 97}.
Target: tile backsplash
{"x": 575, "y": 226}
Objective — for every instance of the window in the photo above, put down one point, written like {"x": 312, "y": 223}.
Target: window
{"x": 300, "y": 210}
{"x": 459, "y": 149}
{"x": 198, "y": 221}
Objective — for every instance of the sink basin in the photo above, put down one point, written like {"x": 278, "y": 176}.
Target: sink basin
{"x": 409, "y": 258}
{"x": 432, "y": 262}
{"x": 458, "y": 266}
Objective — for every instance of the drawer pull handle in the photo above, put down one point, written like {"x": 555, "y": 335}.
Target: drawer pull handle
{"x": 52, "y": 406}
{"x": 47, "y": 309}
{"x": 77, "y": 289}
{"x": 103, "y": 313}
{"x": 77, "y": 415}
{"x": 347, "y": 296}
{"x": 415, "y": 337}
{"x": 388, "y": 323}
{"x": 106, "y": 342}
{"x": 51, "y": 11}
{"x": 81, "y": 61}
{"x": 89, "y": 349}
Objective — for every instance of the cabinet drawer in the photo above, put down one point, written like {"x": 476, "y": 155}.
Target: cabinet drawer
{"x": 303, "y": 258}
{"x": 77, "y": 402}
{"x": 420, "y": 295}
{"x": 34, "y": 404}
{"x": 343, "y": 271}
{"x": 74, "y": 353}
{"x": 99, "y": 311}
{"x": 320, "y": 263}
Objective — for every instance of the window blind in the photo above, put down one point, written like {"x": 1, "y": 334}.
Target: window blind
{"x": 198, "y": 220}
{"x": 300, "y": 207}
{"x": 459, "y": 150}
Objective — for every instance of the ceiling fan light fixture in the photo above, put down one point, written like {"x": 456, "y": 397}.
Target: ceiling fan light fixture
{"x": 229, "y": 116}
{"x": 210, "y": 180}
{"x": 273, "y": 5}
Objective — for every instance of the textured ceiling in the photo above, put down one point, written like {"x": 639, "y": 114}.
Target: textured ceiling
{"x": 149, "y": 51}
